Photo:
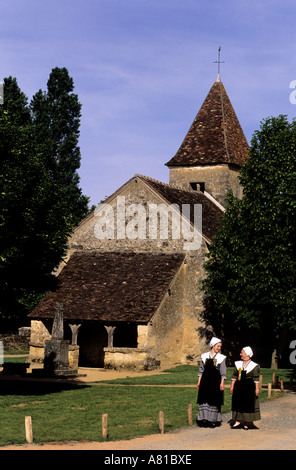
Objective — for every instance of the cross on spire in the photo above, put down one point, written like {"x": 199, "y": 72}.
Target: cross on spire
{"x": 219, "y": 62}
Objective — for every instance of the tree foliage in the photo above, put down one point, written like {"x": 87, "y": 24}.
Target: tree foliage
{"x": 40, "y": 200}
{"x": 251, "y": 271}
{"x": 56, "y": 118}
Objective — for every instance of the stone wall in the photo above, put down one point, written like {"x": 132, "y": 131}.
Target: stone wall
{"x": 15, "y": 342}
{"x": 218, "y": 179}
{"x": 73, "y": 357}
{"x": 84, "y": 237}
{"x": 172, "y": 335}
{"x": 173, "y": 332}
{"x": 125, "y": 358}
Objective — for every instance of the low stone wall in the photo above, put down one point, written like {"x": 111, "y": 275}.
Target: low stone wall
{"x": 73, "y": 356}
{"x": 36, "y": 357}
{"x": 15, "y": 342}
{"x": 129, "y": 358}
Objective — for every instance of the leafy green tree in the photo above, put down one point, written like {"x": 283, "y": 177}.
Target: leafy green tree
{"x": 56, "y": 116}
{"x": 38, "y": 209}
{"x": 251, "y": 271}
{"x": 23, "y": 181}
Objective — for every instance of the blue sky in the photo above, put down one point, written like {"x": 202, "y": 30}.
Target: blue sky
{"x": 142, "y": 69}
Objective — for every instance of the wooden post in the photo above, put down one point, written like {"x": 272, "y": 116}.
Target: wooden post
{"x": 260, "y": 381}
{"x": 104, "y": 426}
{"x": 282, "y": 385}
{"x": 189, "y": 413}
{"x": 161, "y": 422}
{"x": 274, "y": 380}
{"x": 269, "y": 390}
{"x": 29, "y": 430}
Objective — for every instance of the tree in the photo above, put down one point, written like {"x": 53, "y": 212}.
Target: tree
{"x": 38, "y": 209}
{"x": 56, "y": 116}
{"x": 22, "y": 183}
{"x": 251, "y": 272}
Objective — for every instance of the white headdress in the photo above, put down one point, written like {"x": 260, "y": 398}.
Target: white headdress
{"x": 248, "y": 351}
{"x": 214, "y": 341}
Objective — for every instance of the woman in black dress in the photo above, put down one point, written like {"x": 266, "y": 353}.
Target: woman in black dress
{"x": 210, "y": 385}
{"x": 245, "y": 391}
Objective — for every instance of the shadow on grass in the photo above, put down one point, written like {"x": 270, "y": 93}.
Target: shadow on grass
{"x": 34, "y": 387}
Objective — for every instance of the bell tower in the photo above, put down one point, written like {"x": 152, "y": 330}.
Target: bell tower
{"x": 214, "y": 149}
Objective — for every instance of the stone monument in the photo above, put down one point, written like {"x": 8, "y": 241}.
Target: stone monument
{"x": 56, "y": 351}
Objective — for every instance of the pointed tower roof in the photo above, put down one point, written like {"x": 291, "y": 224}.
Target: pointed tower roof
{"x": 215, "y": 135}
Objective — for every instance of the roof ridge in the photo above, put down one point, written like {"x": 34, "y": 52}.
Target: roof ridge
{"x": 223, "y": 119}
{"x": 190, "y": 191}
{"x": 172, "y": 186}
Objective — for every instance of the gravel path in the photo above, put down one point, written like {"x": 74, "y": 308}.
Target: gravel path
{"x": 277, "y": 431}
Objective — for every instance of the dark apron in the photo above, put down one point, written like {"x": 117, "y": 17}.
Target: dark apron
{"x": 243, "y": 397}
{"x": 209, "y": 390}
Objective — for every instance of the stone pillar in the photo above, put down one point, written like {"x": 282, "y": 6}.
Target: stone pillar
{"x": 73, "y": 357}
{"x": 74, "y": 348}
{"x": 58, "y": 323}
{"x": 56, "y": 349}
{"x": 274, "y": 360}
{"x": 74, "y": 329}
{"x": 110, "y": 331}
{"x": 56, "y": 355}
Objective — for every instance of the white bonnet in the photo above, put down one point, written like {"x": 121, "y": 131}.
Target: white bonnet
{"x": 248, "y": 351}
{"x": 214, "y": 341}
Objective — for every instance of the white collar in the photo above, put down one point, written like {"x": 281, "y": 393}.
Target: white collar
{"x": 250, "y": 366}
{"x": 219, "y": 357}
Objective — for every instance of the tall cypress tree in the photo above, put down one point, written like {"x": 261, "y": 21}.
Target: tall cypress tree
{"x": 56, "y": 115}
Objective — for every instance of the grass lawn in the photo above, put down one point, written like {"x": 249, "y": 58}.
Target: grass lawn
{"x": 62, "y": 412}
{"x": 187, "y": 375}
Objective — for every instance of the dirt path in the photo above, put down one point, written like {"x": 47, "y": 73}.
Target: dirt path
{"x": 277, "y": 430}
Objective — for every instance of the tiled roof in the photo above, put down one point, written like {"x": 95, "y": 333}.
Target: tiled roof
{"x": 215, "y": 136}
{"x": 111, "y": 287}
{"x": 211, "y": 213}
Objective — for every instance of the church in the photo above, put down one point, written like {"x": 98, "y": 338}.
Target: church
{"x": 129, "y": 286}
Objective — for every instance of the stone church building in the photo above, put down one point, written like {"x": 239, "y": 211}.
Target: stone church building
{"x": 129, "y": 286}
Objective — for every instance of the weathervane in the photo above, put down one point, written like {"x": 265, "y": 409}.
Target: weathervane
{"x": 219, "y": 61}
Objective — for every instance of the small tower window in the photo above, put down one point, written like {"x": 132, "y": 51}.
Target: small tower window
{"x": 200, "y": 187}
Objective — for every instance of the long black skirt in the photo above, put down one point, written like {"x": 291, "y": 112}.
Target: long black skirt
{"x": 209, "y": 389}
{"x": 245, "y": 404}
